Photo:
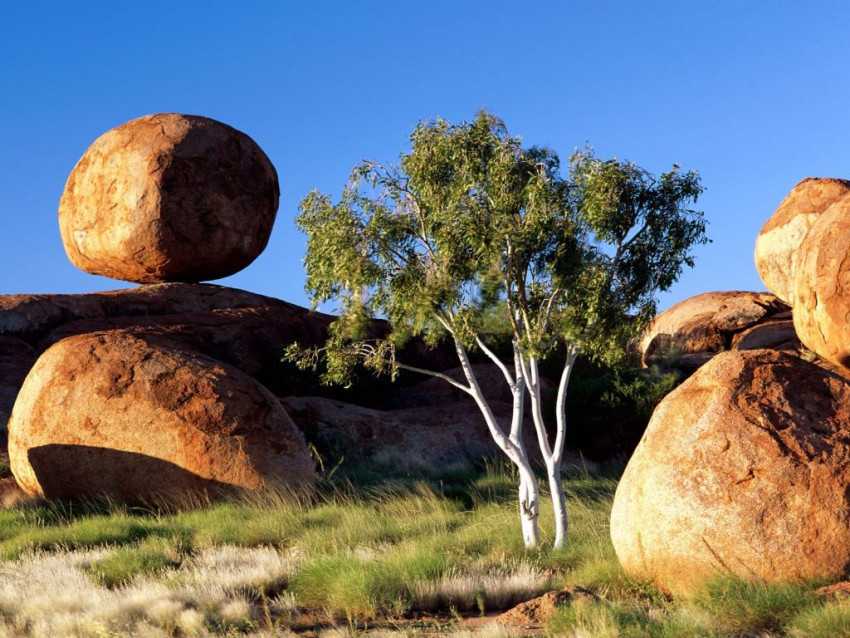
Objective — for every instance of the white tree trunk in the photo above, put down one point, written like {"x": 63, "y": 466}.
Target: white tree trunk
{"x": 559, "y": 504}
{"x": 552, "y": 455}
{"x": 529, "y": 507}
{"x": 511, "y": 445}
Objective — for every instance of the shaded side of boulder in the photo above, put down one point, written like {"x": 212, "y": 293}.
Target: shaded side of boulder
{"x": 435, "y": 391}
{"x": 16, "y": 360}
{"x": 429, "y": 436}
{"x": 140, "y": 418}
{"x": 742, "y": 470}
{"x": 169, "y": 197}
{"x": 780, "y": 239}
{"x": 822, "y": 286}
{"x": 691, "y": 332}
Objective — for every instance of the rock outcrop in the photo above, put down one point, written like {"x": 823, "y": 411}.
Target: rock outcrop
{"x": 141, "y": 418}
{"x": 778, "y": 246}
{"x": 742, "y": 470}
{"x": 693, "y": 331}
{"x": 31, "y": 317}
{"x": 431, "y": 436}
{"x": 423, "y": 437}
{"x": 822, "y": 286}
{"x": 169, "y": 197}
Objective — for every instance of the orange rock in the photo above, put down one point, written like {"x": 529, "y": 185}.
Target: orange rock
{"x": 742, "y": 470}
{"x": 706, "y": 323}
{"x": 822, "y": 286}
{"x": 139, "y": 418}
{"x": 779, "y": 242}
{"x": 169, "y": 197}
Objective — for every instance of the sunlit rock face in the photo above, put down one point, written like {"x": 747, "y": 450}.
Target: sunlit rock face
{"x": 135, "y": 417}
{"x": 169, "y": 197}
{"x": 743, "y": 471}
{"x": 693, "y": 331}
{"x": 822, "y": 286}
{"x": 780, "y": 242}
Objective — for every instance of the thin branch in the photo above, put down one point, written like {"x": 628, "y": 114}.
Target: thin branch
{"x": 560, "y": 412}
{"x": 511, "y": 381}
{"x": 439, "y": 375}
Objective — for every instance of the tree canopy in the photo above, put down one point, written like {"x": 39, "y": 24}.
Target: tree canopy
{"x": 468, "y": 217}
{"x": 470, "y": 223}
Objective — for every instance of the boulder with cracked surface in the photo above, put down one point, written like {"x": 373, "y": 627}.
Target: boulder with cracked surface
{"x": 169, "y": 197}
{"x": 742, "y": 470}
{"x": 779, "y": 243}
{"x": 694, "y": 330}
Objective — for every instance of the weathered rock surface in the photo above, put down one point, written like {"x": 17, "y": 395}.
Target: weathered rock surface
{"x": 169, "y": 197}
{"x": 30, "y": 317}
{"x": 137, "y": 418}
{"x": 778, "y": 246}
{"x": 742, "y": 470}
{"x": 822, "y": 286}
{"x": 433, "y": 436}
{"x": 16, "y": 359}
{"x": 691, "y": 332}
{"x": 251, "y": 339}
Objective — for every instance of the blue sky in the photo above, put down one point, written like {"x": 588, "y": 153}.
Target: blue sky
{"x": 752, "y": 94}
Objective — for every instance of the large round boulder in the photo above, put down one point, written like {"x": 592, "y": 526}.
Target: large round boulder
{"x": 140, "y": 418}
{"x": 822, "y": 286}
{"x": 169, "y": 197}
{"x": 743, "y": 471}
{"x": 778, "y": 244}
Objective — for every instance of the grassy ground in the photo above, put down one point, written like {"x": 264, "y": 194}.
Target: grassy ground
{"x": 402, "y": 555}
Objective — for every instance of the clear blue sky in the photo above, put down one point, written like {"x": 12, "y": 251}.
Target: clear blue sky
{"x": 753, "y": 94}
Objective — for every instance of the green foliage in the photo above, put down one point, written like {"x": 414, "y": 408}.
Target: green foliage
{"x": 469, "y": 220}
{"x": 609, "y": 408}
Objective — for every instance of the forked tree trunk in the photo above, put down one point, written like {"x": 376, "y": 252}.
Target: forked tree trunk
{"x": 511, "y": 445}
{"x": 552, "y": 454}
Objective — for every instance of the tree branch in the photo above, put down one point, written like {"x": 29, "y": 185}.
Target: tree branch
{"x": 439, "y": 375}
{"x": 511, "y": 381}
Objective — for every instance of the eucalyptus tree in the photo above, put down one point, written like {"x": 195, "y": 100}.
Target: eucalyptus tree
{"x": 469, "y": 221}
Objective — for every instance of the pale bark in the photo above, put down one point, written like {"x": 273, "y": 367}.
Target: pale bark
{"x": 511, "y": 444}
{"x": 552, "y": 454}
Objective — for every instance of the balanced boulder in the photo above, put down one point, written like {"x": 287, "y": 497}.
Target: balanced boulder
{"x": 779, "y": 243}
{"x": 141, "y": 418}
{"x": 822, "y": 286}
{"x": 742, "y": 471}
{"x": 169, "y": 197}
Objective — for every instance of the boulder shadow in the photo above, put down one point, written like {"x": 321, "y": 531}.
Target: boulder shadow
{"x": 76, "y": 472}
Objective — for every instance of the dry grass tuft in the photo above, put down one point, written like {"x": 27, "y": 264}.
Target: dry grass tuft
{"x": 53, "y": 594}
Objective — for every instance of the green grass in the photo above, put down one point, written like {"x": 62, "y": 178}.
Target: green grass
{"x": 413, "y": 544}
